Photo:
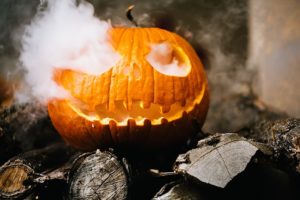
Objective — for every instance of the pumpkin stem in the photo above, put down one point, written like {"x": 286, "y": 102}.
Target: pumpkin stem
{"x": 129, "y": 15}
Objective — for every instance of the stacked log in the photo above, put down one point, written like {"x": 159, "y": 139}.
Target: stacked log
{"x": 264, "y": 158}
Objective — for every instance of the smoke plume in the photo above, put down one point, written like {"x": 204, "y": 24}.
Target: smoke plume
{"x": 66, "y": 35}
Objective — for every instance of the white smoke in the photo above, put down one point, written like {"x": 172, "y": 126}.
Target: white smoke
{"x": 162, "y": 58}
{"x": 64, "y": 35}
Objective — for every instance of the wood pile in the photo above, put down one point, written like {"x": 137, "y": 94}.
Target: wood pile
{"x": 261, "y": 161}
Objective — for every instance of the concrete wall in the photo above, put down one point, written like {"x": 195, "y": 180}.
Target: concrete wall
{"x": 275, "y": 52}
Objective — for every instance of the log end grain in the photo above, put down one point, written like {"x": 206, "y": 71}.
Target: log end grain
{"x": 217, "y": 159}
{"x": 100, "y": 175}
{"x": 12, "y": 180}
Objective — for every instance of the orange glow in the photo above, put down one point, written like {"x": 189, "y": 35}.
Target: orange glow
{"x": 137, "y": 103}
{"x": 137, "y": 112}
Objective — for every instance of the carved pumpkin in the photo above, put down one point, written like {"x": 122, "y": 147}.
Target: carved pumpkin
{"x": 139, "y": 103}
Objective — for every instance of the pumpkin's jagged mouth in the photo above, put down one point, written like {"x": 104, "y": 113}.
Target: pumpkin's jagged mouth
{"x": 121, "y": 115}
{"x": 166, "y": 58}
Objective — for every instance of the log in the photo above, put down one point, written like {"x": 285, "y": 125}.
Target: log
{"x": 218, "y": 159}
{"x": 258, "y": 181}
{"x": 146, "y": 182}
{"x": 21, "y": 174}
{"x": 227, "y": 166}
{"x": 178, "y": 191}
{"x": 284, "y": 137}
{"x": 99, "y": 175}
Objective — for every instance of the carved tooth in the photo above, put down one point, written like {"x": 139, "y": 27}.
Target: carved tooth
{"x": 101, "y": 109}
{"x": 146, "y": 104}
{"x": 124, "y": 104}
{"x": 147, "y": 122}
{"x": 131, "y": 123}
{"x": 184, "y": 114}
{"x": 141, "y": 104}
{"x": 129, "y": 105}
{"x": 183, "y": 102}
{"x": 166, "y": 108}
{"x": 161, "y": 109}
{"x": 111, "y": 106}
{"x": 164, "y": 121}
{"x": 119, "y": 105}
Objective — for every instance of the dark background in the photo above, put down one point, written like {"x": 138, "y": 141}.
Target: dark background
{"x": 218, "y": 30}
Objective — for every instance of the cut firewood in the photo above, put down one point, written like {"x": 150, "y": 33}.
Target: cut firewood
{"x": 99, "y": 175}
{"x": 284, "y": 137}
{"x": 21, "y": 174}
{"x": 179, "y": 191}
{"x": 217, "y": 159}
{"x": 258, "y": 181}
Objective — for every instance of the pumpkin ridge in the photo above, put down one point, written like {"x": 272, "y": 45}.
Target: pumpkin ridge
{"x": 119, "y": 109}
{"x": 120, "y": 69}
{"x": 169, "y": 90}
{"x": 150, "y": 68}
{"x": 128, "y": 64}
{"x": 140, "y": 76}
{"x": 193, "y": 74}
{"x": 159, "y": 85}
{"x": 143, "y": 89}
{"x": 185, "y": 80}
{"x": 113, "y": 84}
{"x": 153, "y": 71}
{"x": 195, "y": 59}
{"x": 131, "y": 65}
{"x": 119, "y": 37}
{"x": 117, "y": 43}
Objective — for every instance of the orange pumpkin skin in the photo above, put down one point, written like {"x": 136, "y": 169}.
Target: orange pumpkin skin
{"x": 133, "y": 87}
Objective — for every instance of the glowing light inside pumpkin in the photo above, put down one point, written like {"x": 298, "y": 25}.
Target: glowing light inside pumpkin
{"x": 169, "y": 59}
{"x": 166, "y": 58}
{"x": 121, "y": 114}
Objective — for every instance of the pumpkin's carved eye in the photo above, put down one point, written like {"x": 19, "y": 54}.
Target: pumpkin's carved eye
{"x": 150, "y": 99}
{"x": 169, "y": 59}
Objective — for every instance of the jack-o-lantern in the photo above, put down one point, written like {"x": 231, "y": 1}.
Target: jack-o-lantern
{"x": 143, "y": 102}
